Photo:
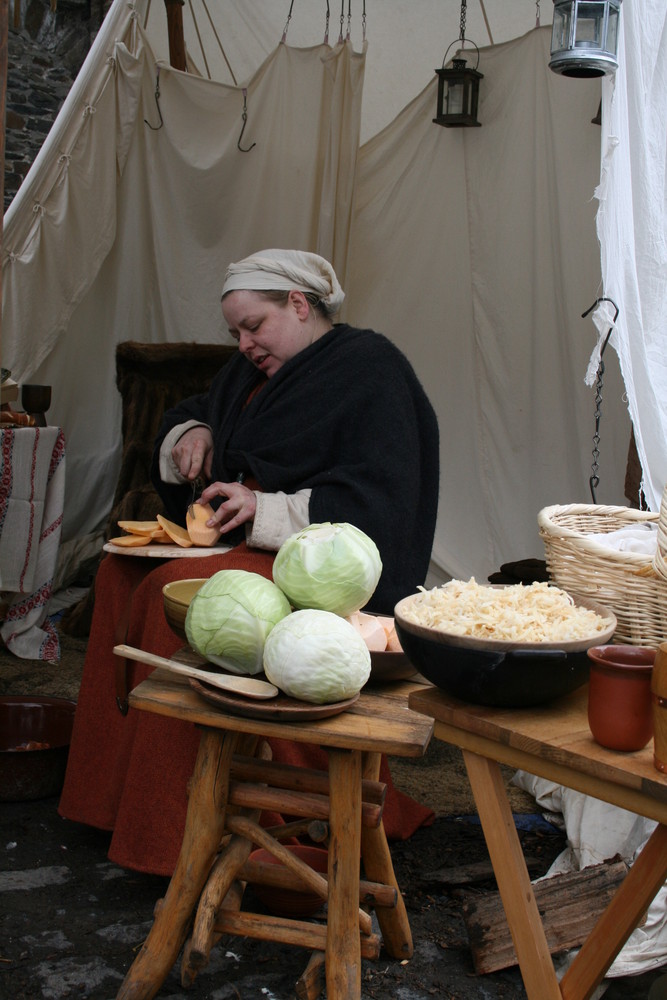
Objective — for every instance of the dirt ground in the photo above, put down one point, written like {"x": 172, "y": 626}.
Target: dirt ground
{"x": 71, "y": 922}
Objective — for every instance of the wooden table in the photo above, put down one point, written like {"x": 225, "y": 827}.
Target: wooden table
{"x": 230, "y": 785}
{"x": 554, "y": 742}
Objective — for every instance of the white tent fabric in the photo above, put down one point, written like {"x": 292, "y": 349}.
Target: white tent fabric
{"x": 473, "y": 249}
{"x": 632, "y": 228}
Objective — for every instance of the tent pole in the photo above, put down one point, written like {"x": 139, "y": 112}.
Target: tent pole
{"x": 175, "y": 30}
{"x": 4, "y": 30}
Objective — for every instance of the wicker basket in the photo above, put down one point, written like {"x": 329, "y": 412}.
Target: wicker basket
{"x": 625, "y": 582}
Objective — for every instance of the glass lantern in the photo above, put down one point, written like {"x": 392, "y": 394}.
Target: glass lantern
{"x": 584, "y": 37}
{"x": 458, "y": 95}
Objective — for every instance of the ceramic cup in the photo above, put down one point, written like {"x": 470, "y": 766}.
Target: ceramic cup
{"x": 619, "y": 696}
{"x": 36, "y": 399}
{"x": 659, "y": 707}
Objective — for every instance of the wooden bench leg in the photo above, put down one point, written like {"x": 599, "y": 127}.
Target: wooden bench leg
{"x": 516, "y": 891}
{"x": 378, "y": 867}
{"x": 618, "y": 921}
{"x": 343, "y": 948}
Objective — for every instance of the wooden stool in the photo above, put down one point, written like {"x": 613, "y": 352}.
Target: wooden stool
{"x": 232, "y": 783}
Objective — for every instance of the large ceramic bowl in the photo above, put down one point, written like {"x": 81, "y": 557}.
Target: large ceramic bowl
{"x": 499, "y": 673}
{"x": 35, "y": 733}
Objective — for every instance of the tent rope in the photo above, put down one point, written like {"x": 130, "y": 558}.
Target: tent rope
{"x": 201, "y": 44}
{"x": 486, "y": 20}
{"x": 220, "y": 45}
{"x": 594, "y": 480}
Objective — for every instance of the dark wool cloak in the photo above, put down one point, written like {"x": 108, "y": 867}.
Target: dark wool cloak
{"x": 347, "y": 418}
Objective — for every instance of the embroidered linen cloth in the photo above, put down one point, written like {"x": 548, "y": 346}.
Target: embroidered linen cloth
{"x": 32, "y": 492}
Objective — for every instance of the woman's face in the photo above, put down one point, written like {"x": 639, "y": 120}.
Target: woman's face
{"x": 268, "y": 333}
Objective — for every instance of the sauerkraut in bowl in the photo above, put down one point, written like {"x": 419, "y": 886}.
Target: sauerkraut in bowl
{"x": 521, "y": 615}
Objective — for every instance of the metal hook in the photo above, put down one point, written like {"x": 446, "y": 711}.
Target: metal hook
{"x": 156, "y": 128}
{"x": 244, "y": 116}
{"x": 594, "y": 480}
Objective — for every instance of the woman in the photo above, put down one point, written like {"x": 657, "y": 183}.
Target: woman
{"x": 312, "y": 421}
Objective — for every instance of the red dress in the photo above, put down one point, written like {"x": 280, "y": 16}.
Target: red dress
{"x": 129, "y": 773}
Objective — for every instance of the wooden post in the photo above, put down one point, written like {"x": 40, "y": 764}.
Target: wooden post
{"x": 4, "y": 31}
{"x": 175, "y": 30}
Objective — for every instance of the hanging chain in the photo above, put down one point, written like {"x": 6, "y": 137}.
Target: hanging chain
{"x": 537, "y": 13}
{"x": 326, "y": 26}
{"x": 594, "y": 480}
{"x": 289, "y": 18}
{"x": 462, "y": 25}
{"x": 156, "y": 128}
{"x": 363, "y": 22}
{"x": 244, "y": 116}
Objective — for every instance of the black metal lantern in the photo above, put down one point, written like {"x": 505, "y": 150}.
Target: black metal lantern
{"x": 458, "y": 87}
{"x": 584, "y": 37}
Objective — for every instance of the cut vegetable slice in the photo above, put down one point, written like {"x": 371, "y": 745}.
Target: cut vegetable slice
{"x": 160, "y": 535}
{"x": 175, "y": 532}
{"x": 131, "y": 541}
{"x": 139, "y": 527}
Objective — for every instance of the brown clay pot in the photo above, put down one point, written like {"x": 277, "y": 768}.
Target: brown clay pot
{"x": 619, "y": 696}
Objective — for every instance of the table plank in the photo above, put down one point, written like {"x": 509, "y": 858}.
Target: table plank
{"x": 376, "y": 722}
{"x": 553, "y": 741}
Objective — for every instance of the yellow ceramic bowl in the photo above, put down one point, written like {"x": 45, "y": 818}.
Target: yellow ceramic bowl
{"x": 177, "y": 596}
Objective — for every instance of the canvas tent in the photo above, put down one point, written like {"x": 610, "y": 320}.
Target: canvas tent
{"x": 475, "y": 250}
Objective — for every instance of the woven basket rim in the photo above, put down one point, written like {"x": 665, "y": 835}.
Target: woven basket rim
{"x": 550, "y": 530}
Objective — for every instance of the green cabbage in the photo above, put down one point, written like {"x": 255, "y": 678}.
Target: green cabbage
{"x": 230, "y": 617}
{"x": 331, "y": 567}
{"x": 316, "y": 656}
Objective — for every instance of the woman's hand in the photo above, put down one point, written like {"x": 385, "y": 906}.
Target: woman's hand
{"x": 238, "y": 507}
{"x": 193, "y": 453}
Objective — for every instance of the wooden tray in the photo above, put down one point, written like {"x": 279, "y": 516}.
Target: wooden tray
{"x": 280, "y": 709}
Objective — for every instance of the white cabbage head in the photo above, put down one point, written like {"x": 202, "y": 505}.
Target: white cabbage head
{"x": 316, "y": 656}
{"x": 329, "y": 566}
{"x": 230, "y": 617}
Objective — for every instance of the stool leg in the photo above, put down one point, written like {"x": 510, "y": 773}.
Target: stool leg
{"x": 378, "y": 867}
{"x": 343, "y": 949}
{"x": 204, "y": 826}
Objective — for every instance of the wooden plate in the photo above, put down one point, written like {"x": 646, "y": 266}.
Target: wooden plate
{"x": 282, "y": 708}
{"x": 160, "y": 550}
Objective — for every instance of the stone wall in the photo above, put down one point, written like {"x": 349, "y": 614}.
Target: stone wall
{"x": 45, "y": 50}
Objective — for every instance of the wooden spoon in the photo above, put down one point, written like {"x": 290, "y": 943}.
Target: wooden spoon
{"x": 250, "y": 687}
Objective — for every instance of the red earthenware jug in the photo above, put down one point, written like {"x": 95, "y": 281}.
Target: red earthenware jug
{"x": 659, "y": 705}
{"x": 619, "y": 696}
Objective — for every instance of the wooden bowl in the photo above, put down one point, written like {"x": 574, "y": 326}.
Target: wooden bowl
{"x": 280, "y": 901}
{"x": 35, "y": 733}
{"x": 495, "y": 672}
{"x": 176, "y": 598}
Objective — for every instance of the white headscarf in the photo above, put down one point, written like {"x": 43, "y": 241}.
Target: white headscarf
{"x": 284, "y": 270}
